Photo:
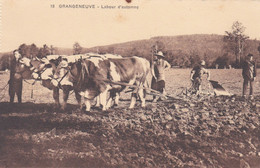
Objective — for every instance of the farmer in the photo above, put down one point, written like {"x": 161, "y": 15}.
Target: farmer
{"x": 249, "y": 74}
{"x": 158, "y": 81}
{"x": 15, "y": 82}
{"x": 196, "y": 75}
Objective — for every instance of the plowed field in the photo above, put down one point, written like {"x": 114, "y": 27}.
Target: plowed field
{"x": 212, "y": 131}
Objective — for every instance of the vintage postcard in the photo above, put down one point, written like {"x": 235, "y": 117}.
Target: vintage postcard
{"x": 129, "y": 83}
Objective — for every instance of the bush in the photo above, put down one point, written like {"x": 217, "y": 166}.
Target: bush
{"x": 4, "y": 62}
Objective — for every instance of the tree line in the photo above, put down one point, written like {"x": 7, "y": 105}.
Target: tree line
{"x": 32, "y": 51}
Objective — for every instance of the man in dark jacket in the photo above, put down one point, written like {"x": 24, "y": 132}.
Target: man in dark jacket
{"x": 249, "y": 75}
{"x": 15, "y": 81}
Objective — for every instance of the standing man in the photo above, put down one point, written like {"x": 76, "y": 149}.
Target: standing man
{"x": 249, "y": 75}
{"x": 15, "y": 81}
{"x": 158, "y": 81}
{"x": 196, "y": 74}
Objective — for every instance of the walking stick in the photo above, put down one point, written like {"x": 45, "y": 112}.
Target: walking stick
{"x": 154, "y": 49}
{"x": 259, "y": 54}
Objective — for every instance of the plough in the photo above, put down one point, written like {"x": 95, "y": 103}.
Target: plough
{"x": 218, "y": 90}
{"x": 152, "y": 91}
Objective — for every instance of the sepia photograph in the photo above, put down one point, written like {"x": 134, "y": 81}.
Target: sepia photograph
{"x": 130, "y": 83}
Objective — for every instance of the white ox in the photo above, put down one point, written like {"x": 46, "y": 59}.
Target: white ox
{"x": 65, "y": 64}
{"x": 96, "y": 76}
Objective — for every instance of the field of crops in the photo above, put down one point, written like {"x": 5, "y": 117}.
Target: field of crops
{"x": 177, "y": 132}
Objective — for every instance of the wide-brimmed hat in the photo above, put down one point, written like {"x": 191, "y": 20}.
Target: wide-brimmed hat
{"x": 159, "y": 54}
{"x": 202, "y": 62}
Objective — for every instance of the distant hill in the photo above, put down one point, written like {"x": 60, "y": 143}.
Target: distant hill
{"x": 185, "y": 43}
{"x": 185, "y": 47}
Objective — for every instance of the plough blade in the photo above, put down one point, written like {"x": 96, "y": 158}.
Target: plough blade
{"x": 218, "y": 89}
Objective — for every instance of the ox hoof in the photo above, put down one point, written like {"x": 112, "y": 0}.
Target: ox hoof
{"x": 97, "y": 105}
{"x": 104, "y": 109}
{"x": 87, "y": 112}
{"x": 84, "y": 109}
{"x": 115, "y": 105}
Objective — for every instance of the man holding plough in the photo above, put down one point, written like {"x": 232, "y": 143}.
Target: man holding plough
{"x": 196, "y": 76}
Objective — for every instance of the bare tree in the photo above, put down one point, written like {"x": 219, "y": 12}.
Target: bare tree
{"x": 77, "y": 48}
{"x": 236, "y": 40}
{"x": 33, "y": 51}
{"x": 44, "y": 51}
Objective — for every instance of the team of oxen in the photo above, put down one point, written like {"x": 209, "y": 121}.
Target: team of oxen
{"x": 91, "y": 76}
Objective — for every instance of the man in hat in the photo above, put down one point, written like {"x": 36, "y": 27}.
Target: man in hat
{"x": 249, "y": 75}
{"x": 158, "y": 80}
{"x": 15, "y": 82}
{"x": 196, "y": 75}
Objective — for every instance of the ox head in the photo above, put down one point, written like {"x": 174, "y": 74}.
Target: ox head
{"x": 22, "y": 68}
{"x": 44, "y": 70}
{"x": 74, "y": 74}
{"x": 17, "y": 55}
{"x": 34, "y": 68}
{"x": 61, "y": 74}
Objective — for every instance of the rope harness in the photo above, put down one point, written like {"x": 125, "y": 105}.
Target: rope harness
{"x": 59, "y": 81}
{"x": 34, "y": 69}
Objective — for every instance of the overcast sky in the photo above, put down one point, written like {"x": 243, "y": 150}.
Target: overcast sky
{"x": 34, "y": 21}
